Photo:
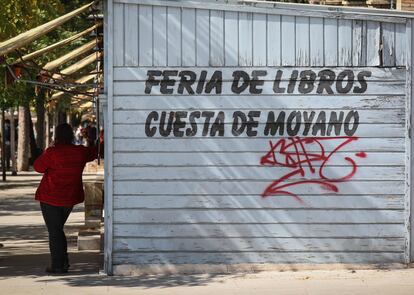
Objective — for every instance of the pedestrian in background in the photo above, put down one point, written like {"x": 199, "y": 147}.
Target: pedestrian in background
{"x": 7, "y": 142}
{"x": 78, "y": 135}
{"x": 92, "y": 134}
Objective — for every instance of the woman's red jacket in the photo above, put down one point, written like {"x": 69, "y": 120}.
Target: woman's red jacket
{"x": 62, "y": 166}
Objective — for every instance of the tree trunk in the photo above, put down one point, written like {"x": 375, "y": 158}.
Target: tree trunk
{"x": 13, "y": 142}
{"x": 40, "y": 124}
{"x": 3, "y": 145}
{"x": 68, "y": 117}
{"x": 23, "y": 139}
{"x": 61, "y": 117}
{"x": 34, "y": 150}
{"x": 47, "y": 129}
{"x": 55, "y": 122}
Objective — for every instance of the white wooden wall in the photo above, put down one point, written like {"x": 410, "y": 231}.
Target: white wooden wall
{"x": 198, "y": 199}
{"x": 172, "y": 36}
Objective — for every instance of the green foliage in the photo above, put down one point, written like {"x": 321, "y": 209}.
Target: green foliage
{"x": 18, "y": 16}
{"x": 21, "y": 15}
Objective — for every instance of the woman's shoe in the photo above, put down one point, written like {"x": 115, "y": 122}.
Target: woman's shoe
{"x": 66, "y": 264}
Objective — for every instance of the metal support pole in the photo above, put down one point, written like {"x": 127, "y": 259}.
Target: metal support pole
{"x": 47, "y": 127}
{"x": 98, "y": 128}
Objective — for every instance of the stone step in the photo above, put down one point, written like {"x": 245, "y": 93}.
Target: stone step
{"x": 93, "y": 222}
{"x": 90, "y": 239}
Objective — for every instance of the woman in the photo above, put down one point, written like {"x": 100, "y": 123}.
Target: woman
{"x": 60, "y": 189}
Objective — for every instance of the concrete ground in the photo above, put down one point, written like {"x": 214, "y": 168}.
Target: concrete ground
{"x": 24, "y": 256}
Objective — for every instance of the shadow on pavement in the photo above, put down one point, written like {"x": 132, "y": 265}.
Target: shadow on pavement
{"x": 25, "y": 252}
{"x": 84, "y": 272}
{"x": 18, "y": 233}
{"x": 145, "y": 281}
{"x": 22, "y": 205}
{"x": 33, "y": 265}
{"x": 18, "y": 206}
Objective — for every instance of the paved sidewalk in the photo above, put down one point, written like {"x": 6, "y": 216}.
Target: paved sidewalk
{"x": 25, "y": 255}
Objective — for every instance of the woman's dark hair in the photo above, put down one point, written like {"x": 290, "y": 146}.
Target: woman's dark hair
{"x": 64, "y": 134}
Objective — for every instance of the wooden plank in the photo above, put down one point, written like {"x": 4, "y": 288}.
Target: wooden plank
{"x": 188, "y": 42}
{"x": 302, "y": 41}
{"x": 132, "y": 35}
{"x": 364, "y": 130}
{"x": 188, "y": 37}
{"x": 373, "y": 43}
{"x": 359, "y": 43}
{"x": 231, "y": 38}
{"x": 305, "y": 230}
{"x": 241, "y": 159}
{"x": 317, "y": 41}
{"x": 245, "y": 39}
{"x": 256, "y": 257}
{"x": 365, "y": 116}
{"x": 409, "y": 201}
{"x": 281, "y": 245}
{"x": 274, "y": 44}
{"x": 246, "y": 145}
{"x": 258, "y": 102}
{"x": 264, "y": 173}
{"x": 373, "y": 88}
{"x": 145, "y": 36}
{"x": 345, "y": 42}
{"x": 288, "y": 40}
{"x": 217, "y": 38}
{"x": 162, "y": 187}
{"x": 160, "y": 36}
{"x": 400, "y": 45}
{"x": 259, "y": 216}
{"x": 202, "y": 37}
{"x": 258, "y": 202}
{"x": 393, "y": 16}
{"x": 119, "y": 31}
{"x": 174, "y": 52}
{"x": 388, "y": 44}
{"x": 331, "y": 42}
{"x": 376, "y": 74}
{"x": 259, "y": 39}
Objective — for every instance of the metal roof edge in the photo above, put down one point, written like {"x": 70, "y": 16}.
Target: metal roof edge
{"x": 383, "y": 15}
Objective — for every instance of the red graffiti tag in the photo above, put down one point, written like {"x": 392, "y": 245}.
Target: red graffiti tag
{"x": 302, "y": 155}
